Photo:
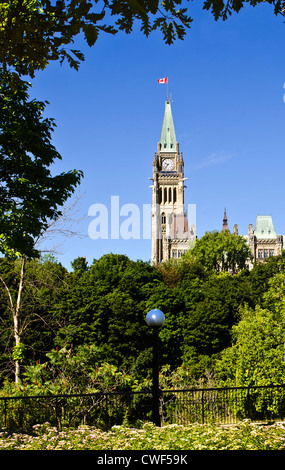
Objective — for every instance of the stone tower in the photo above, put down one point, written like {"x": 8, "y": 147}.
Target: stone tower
{"x": 170, "y": 231}
{"x": 225, "y": 221}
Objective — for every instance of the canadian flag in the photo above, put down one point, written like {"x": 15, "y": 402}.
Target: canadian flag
{"x": 162, "y": 80}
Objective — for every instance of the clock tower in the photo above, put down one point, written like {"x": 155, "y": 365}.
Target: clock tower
{"x": 170, "y": 231}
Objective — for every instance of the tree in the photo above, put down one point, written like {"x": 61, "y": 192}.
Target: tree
{"x": 75, "y": 370}
{"x": 221, "y": 251}
{"x": 34, "y": 32}
{"x": 211, "y": 309}
{"x": 31, "y": 197}
{"x": 256, "y": 356}
{"x": 261, "y": 274}
{"x": 80, "y": 265}
{"x": 106, "y": 306}
{"x": 172, "y": 302}
{"x": 44, "y": 282}
{"x": 223, "y": 9}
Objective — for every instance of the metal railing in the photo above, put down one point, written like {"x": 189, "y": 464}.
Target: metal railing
{"x": 224, "y": 405}
{"x": 204, "y": 405}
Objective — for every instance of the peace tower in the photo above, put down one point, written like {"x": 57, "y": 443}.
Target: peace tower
{"x": 170, "y": 231}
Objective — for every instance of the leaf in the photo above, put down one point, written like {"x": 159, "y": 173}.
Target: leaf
{"x": 91, "y": 34}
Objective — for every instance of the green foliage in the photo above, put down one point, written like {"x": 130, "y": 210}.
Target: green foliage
{"x": 221, "y": 251}
{"x": 79, "y": 265}
{"x": 106, "y": 306}
{"x": 225, "y": 9}
{"x": 74, "y": 371}
{"x": 30, "y": 195}
{"x": 230, "y": 325}
{"x": 45, "y": 280}
{"x": 81, "y": 370}
{"x": 49, "y": 29}
{"x": 257, "y": 354}
{"x": 19, "y": 352}
{"x": 33, "y": 32}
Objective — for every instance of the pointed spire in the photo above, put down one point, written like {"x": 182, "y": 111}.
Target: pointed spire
{"x": 168, "y": 137}
{"x": 225, "y": 221}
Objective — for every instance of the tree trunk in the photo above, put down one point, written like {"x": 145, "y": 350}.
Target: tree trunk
{"x": 16, "y": 315}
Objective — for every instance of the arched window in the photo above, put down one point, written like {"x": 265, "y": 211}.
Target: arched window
{"x": 163, "y": 218}
{"x": 169, "y": 195}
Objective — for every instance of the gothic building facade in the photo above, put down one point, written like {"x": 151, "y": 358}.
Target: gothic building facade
{"x": 171, "y": 235}
{"x": 262, "y": 240}
{"x": 170, "y": 232}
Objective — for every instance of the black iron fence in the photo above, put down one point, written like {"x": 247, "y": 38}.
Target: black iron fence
{"x": 224, "y": 405}
{"x": 211, "y": 405}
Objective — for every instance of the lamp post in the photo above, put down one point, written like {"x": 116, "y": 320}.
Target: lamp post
{"x": 155, "y": 319}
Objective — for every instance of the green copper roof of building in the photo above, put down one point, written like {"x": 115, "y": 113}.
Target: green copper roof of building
{"x": 264, "y": 227}
{"x": 168, "y": 137}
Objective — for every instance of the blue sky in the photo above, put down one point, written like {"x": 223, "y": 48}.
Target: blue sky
{"x": 226, "y": 80}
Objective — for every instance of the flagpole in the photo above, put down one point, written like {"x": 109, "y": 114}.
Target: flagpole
{"x": 164, "y": 80}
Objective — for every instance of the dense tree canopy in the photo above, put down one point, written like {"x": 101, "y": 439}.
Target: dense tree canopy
{"x": 35, "y": 32}
{"x": 256, "y": 356}
{"x": 210, "y": 317}
{"x": 221, "y": 251}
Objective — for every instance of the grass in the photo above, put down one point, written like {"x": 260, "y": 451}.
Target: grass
{"x": 245, "y": 436}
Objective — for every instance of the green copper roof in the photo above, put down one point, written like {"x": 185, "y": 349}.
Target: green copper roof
{"x": 168, "y": 137}
{"x": 264, "y": 227}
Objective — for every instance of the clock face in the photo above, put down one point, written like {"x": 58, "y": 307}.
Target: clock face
{"x": 168, "y": 164}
